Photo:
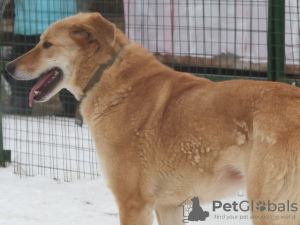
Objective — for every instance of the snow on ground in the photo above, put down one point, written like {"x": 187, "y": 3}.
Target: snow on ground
{"x": 41, "y": 200}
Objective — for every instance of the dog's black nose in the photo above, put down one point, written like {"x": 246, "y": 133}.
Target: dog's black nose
{"x": 10, "y": 68}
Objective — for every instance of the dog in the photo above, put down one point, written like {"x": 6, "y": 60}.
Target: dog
{"x": 197, "y": 212}
{"x": 161, "y": 135}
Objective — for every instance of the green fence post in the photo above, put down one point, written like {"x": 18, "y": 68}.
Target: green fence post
{"x": 5, "y": 155}
{"x": 276, "y": 39}
{"x": 2, "y": 161}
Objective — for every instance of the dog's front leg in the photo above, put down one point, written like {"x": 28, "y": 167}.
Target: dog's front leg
{"x": 135, "y": 211}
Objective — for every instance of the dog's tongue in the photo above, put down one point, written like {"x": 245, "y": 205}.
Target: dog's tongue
{"x": 40, "y": 83}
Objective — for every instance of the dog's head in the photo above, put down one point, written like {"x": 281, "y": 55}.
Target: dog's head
{"x": 68, "y": 52}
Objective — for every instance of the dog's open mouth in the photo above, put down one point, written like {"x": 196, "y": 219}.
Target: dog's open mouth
{"x": 45, "y": 84}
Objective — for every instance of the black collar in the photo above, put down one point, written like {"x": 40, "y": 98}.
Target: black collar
{"x": 95, "y": 79}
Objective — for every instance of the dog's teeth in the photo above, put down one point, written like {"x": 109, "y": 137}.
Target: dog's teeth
{"x": 55, "y": 75}
{"x": 36, "y": 92}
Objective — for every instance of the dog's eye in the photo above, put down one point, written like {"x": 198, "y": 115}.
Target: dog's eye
{"x": 47, "y": 44}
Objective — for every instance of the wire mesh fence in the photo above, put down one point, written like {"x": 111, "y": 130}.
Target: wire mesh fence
{"x": 204, "y": 37}
{"x": 228, "y": 39}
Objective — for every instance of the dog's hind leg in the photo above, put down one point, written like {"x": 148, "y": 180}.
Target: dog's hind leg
{"x": 169, "y": 214}
{"x": 273, "y": 185}
{"x": 273, "y": 212}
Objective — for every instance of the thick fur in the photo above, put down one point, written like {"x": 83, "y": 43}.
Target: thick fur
{"x": 162, "y": 135}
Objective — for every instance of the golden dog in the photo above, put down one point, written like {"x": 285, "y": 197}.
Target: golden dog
{"x": 162, "y": 135}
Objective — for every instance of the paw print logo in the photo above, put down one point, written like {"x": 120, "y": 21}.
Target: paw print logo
{"x": 261, "y": 206}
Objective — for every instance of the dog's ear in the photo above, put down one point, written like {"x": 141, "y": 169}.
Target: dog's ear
{"x": 93, "y": 27}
